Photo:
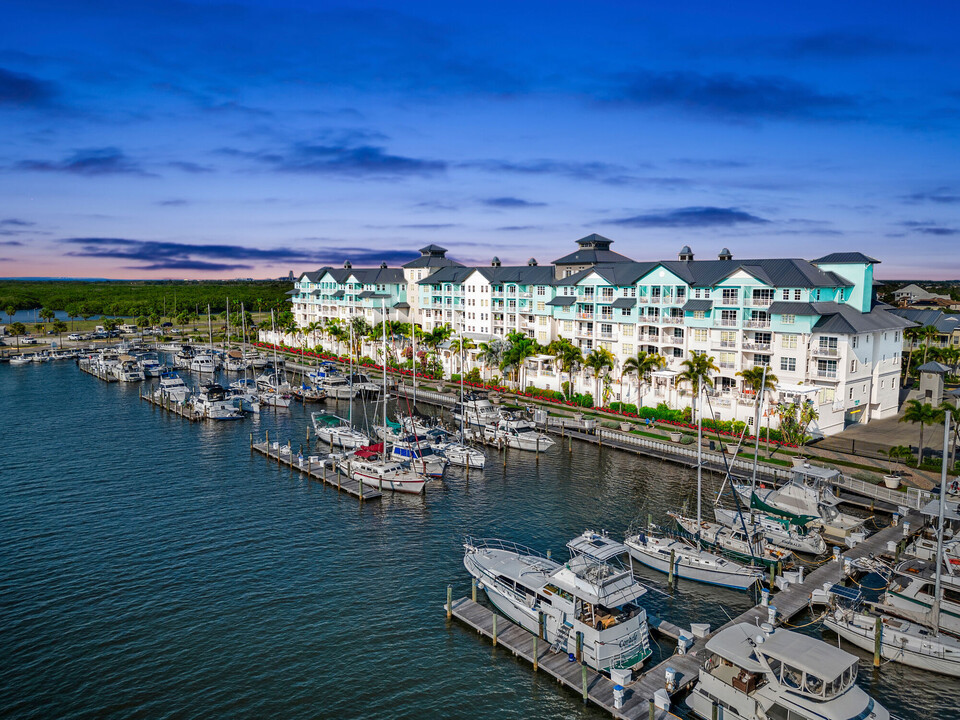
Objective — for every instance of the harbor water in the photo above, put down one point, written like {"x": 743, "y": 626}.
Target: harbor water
{"x": 154, "y": 568}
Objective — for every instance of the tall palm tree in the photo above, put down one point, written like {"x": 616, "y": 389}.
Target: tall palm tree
{"x": 491, "y": 353}
{"x": 569, "y": 359}
{"x": 641, "y": 366}
{"x": 519, "y": 347}
{"x": 601, "y": 361}
{"x": 459, "y": 346}
{"x": 928, "y": 333}
{"x": 912, "y": 334}
{"x": 696, "y": 372}
{"x": 916, "y": 412}
{"x": 59, "y": 327}
{"x": 10, "y": 310}
{"x": 17, "y": 329}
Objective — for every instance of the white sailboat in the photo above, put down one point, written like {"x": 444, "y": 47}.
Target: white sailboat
{"x": 916, "y": 639}
{"x": 691, "y": 562}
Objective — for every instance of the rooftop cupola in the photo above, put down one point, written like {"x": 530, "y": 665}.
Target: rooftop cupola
{"x": 383, "y": 266}
{"x": 725, "y": 254}
{"x": 495, "y": 262}
{"x": 685, "y": 254}
{"x": 532, "y": 262}
{"x": 347, "y": 264}
{"x": 433, "y": 251}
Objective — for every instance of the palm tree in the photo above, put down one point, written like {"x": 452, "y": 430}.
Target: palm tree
{"x": 601, "y": 361}
{"x": 459, "y": 346}
{"x": 361, "y": 330}
{"x": 491, "y": 353}
{"x": 10, "y": 311}
{"x": 920, "y": 413}
{"x": 436, "y": 337}
{"x": 642, "y": 365}
{"x": 46, "y": 314}
{"x": 18, "y": 329}
{"x": 696, "y": 372}
{"x": 59, "y": 327}
{"x": 519, "y": 347}
{"x": 72, "y": 313}
{"x": 897, "y": 452}
{"x": 928, "y": 333}
{"x": 569, "y": 359}
{"x": 912, "y": 334}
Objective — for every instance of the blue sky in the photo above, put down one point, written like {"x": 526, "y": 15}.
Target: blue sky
{"x": 244, "y": 139}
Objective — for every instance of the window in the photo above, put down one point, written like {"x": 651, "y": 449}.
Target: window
{"x": 697, "y": 293}
{"x": 542, "y": 321}
{"x": 854, "y": 340}
{"x": 628, "y": 349}
{"x": 788, "y": 319}
{"x": 761, "y": 361}
{"x": 606, "y": 293}
{"x": 851, "y": 393}
{"x": 568, "y": 326}
{"x": 541, "y": 290}
{"x": 788, "y": 364}
{"x": 796, "y": 295}
{"x": 630, "y": 292}
{"x": 541, "y": 307}
{"x": 883, "y": 384}
{"x": 625, "y": 312}
{"x": 700, "y": 334}
{"x": 788, "y": 342}
{"x": 853, "y": 365}
{"x": 699, "y": 314}
{"x": 827, "y": 395}
{"x": 627, "y": 330}
{"x": 730, "y": 296}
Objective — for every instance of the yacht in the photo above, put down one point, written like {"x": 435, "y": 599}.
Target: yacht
{"x": 519, "y": 433}
{"x": 778, "y": 531}
{"x": 337, "y": 432}
{"x": 420, "y": 453}
{"x": 151, "y": 366}
{"x": 475, "y": 409}
{"x": 456, "y": 453}
{"x": 912, "y": 589}
{"x": 128, "y": 369}
{"x": 184, "y": 357}
{"x": 338, "y": 387}
{"x": 235, "y": 362}
{"x": 173, "y": 387}
{"x": 363, "y": 386}
{"x": 245, "y": 395}
{"x": 748, "y": 547}
{"x": 203, "y": 363}
{"x": 760, "y": 673}
{"x": 213, "y": 403}
{"x": 20, "y": 360}
{"x": 271, "y": 397}
{"x": 594, "y": 595}
{"x": 808, "y": 496}
{"x": 368, "y": 466}
{"x": 654, "y": 550}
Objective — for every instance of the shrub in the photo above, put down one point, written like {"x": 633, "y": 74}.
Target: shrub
{"x": 687, "y": 440}
{"x": 473, "y": 376}
{"x": 455, "y": 377}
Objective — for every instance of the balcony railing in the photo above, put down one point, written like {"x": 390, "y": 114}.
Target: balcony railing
{"x": 643, "y": 300}
{"x": 672, "y": 340}
{"x": 827, "y": 374}
{"x": 726, "y": 322}
{"x": 826, "y": 351}
{"x": 608, "y": 335}
{"x": 723, "y": 343}
{"x": 757, "y": 323}
{"x": 585, "y": 315}
{"x": 756, "y": 347}
{"x": 672, "y": 319}
{"x": 758, "y": 302}
{"x": 726, "y": 365}
{"x": 644, "y": 337}
{"x": 728, "y": 302}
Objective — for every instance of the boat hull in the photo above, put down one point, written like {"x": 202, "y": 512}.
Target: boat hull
{"x": 687, "y": 570}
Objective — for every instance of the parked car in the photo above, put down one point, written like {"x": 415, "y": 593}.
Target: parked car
{"x": 75, "y": 336}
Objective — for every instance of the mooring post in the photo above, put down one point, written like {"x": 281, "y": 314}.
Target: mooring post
{"x": 473, "y": 589}
{"x": 673, "y": 559}
{"x": 653, "y": 710}
{"x": 773, "y": 575}
{"x": 449, "y": 601}
{"x": 251, "y": 441}
{"x": 268, "y": 443}
{"x": 542, "y": 634}
{"x": 494, "y": 629}
{"x": 583, "y": 676}
{"x": 536, "y": 654}
{"x": 579, "y": 650}
{"x": 714, "y": 711}
{"x": 877, "y": 641}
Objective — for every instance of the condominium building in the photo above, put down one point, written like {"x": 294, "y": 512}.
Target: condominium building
{"x": 815, "y": 324}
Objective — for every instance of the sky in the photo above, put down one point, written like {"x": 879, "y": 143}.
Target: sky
{"x": 196, "y": 139}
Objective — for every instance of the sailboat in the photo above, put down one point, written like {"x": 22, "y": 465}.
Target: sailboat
{"x": 457, "y": 452}
{"x": 273, "y": 392}
{"x": 911, "y": 638}
{"x": 656, "y": 550}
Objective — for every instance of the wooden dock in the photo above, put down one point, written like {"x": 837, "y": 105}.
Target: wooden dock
{"x": 314, "y": 467}
{"x": 96, "y": 371}
{"x": 578, "y": 678}
{"x": 179, "y": 409}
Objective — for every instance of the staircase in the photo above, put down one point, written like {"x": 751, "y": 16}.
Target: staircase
{"x": 563, "y": 635}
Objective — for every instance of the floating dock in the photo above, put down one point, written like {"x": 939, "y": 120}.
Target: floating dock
{"x": 314, "y": 467}
{"x": 638, "y": 695}
{"x": 96, "y": 371}
{"x": 179, "y": 409}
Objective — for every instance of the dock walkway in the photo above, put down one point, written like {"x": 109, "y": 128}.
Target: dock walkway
{"x": 314, "y": 467}
{"x": 179, "y": 409}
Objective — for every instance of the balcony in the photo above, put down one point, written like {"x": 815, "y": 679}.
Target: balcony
{"x": 758, "y": 302}
{"x": 826, "y": 352}
{"x": 672, "y": 340}
{"x": 723, "y": 343}
{"x": 757, "y": 324}
{"x": 643, "y": 300}
{"x": 644, "y": 337}
{"x": 607, "y": 335}
{"x": 726, "y": 365}
{"x": 757, "y": 347}
{"x": 585, "y": 315}
{"x": 585, "y": 333}
{"x": 827, "y": 374}
{"x": 726, "y": 322}
{"x": 728, "y": 302}
{"x": 672, "y": 319}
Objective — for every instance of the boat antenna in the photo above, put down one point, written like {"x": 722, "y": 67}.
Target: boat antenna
{"x": 699, "y": 454}
{"x": 935, "y": 614}
{"x": 386, "y": 428}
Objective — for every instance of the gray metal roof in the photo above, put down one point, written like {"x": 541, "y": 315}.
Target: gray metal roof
{"x": 518, "y": 274}
{"x": 624, "y": 303}
{"x": 402, "y": 305}
{"x": 292, "y": 292}
{"x": 846, "y": 258}
{"x": 934, "y": 367}
{"x": 846, "y": 319}
{"x": 562, "y": 301}
{"x": 367, "y": 294}
{"x": 593, "y": 249}
{"x": 698, "y": 306}
{"x": 792, "y": 308}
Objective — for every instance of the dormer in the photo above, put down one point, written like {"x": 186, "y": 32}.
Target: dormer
{"x": 685, "y": 254}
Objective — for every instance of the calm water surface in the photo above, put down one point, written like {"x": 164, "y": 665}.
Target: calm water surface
{"x": 152, "y": 568}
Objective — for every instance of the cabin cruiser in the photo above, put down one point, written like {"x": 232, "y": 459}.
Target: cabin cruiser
{"x": 245, "y": 395}
{"x": 911, "y": 589}
{"x": 765, "y": 674}
{"x": 20, "y": 360}
{"x": 337, "y": 432}
{"x": 517, "y": 432}
{"x": 256, "y": 360}
{"x": 40, "y": 357}
{"x": 338, "y": 387}
{"x": 184, "y": 357}
{"x": 173, "y": 387}
{"x": 456, "y": 453}
{"x": 235, "y": 362}
{"x": 151, "y": 366}
{"x": 368, "y": 466}
{"x": 213, "y": 403}
{"x": 203, "y": 363}
{"x": 778, "y": 531}
{"x": 655, "y": 550}
{"x": 807, "y": 496}
{"x": 594, "y": 595}
{"x": 749, "y": 547}
{"x": 364, "y": 386}
{"x": 476, "y": 410}
{"x": 272, "y": 397}
{"x": 420, "y": 453}
{"x": 128, "y": 369}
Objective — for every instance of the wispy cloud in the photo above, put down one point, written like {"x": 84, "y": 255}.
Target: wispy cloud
{"x": 518, "y": 228}
{"x": 927, "y": 227}
{"x": 89, "y": 162}
{"x": 189, "y": 167}
{"x": 16, "y": 222}
{"x": 734, "y": 97}
{"x": 20, "y": 90}
{"x": 941, "y": 195}
{"x": 11, "y": 243}
{"x": 844, "y": 45}
{"x": 511, "y": 202}
{"x": 175, "y": 202}
{"x": 689, "y": 217}
{"x": 349, "y": 160}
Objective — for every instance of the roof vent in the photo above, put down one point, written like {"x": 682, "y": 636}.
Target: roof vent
{"x": 767, "y": 628}
{"x": 725, "y": 254}
{"x": 383, "y": 265}
{"x": 347, "y": 264}
{"x": 532, "y": 262}
{"x": 686, "y": 254}
{"x": 495, "y": 262}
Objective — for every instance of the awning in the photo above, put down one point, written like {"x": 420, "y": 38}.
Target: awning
{"x": 665, "y": 373}
{"x": 796, "y": 389}
{"x": 698, "y": 305}
{"x": 562, "y": 301}
{"x": 624, "y": 303}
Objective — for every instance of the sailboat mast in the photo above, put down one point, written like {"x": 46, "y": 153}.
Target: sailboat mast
{"x": 756, "y": 431}
{"x": 383, "y": 311}
{"x": 947, "y": 417}
{"x": 699, "y": 454}
{"x": 413, "y": 335}
{"x": 462, "y": 413}
{"x": 226, "y": 340}
{"x": 210, "y": 328}
{"x": 243, "y": 339}
{"x": 276, "y": 370}
{"x": 350, "y": 406}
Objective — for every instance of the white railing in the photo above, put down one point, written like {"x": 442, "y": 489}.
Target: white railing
{"x": 757, "y": 323}
{"x": 673, "y": 340}
{"x": 826, "y": 351}
{"x": 827, "y": 374}
{"x": 757, "y": 346}
{"x": 758, "y": 302}
{"x": 672, "y": 319}
{"x": 914, "y": 498}
{"x": 726, "y": 322}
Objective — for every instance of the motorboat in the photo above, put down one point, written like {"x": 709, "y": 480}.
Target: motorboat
{"x": 655, "y": 550}
{"x": 184, "y": 357}
{"x": 368, "y": 465}
{"x": 171, "y": 387}
{"x": 476, "y": 410}
{"x": 151, "y": 366}
{"x": 40, "y": 357}
{"x": 20, "y": 360}
{"x": 420, "y": 453}
{"x": 807, "y": 497}
{"x": 749, "y": 546}
{"x": 593, "y": 595}
{"x": 337, "y": 432}
{"x": 128, "y": 369}
{"x": 338, "y": 387}
{"x": 272, "y": 397}
{"x": 308, "y": 393}
{"x": 245, "y": 395}
{"x": 213, "y": 403}
{"x": 363, "y": 386}
{"x": 758, "y": 673}
{"x": 912, "y": 588}
{"x": 203, "y": 363}
{"x": 235, "y": 362}
{"x": 778, "y": 531}
{"x": 517, "y": 432}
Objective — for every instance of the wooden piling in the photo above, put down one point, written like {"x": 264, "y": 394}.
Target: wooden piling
{"x": 579, "y": 647}
{"x": 583, "y": 677}
{"x": 449, "y": 602}
{"x": 536, "y": 654}
{"x": 673, "y": 559}
{"x": 540, "y": 622}
{"x": 877, "y": 642}
{"x": 473, "y": 589}
{"x": 714, "y": 711}
{"x": 494, "y": 629}
{"x": 653, "y": 710}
